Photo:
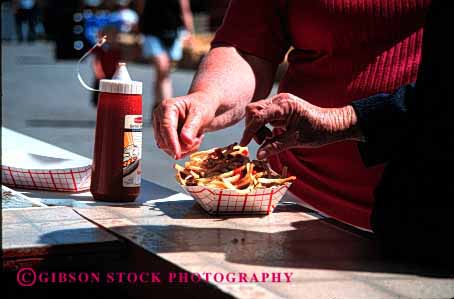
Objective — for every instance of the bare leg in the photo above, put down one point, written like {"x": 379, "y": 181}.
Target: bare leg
{"x": 163, "y": 84}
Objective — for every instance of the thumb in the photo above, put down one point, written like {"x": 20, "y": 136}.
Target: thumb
{"x": 277, "y": 144}
{"x": 195, "y": 146}
{"x": 191, "y": 128}
{"x": 188, "y": 151}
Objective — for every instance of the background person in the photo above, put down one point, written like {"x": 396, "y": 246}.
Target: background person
{"x": 121, "y": 19}
{"x": 105, "y": 58}
{"x": 165, "y": 25}
{"x": 409, "y": 130}
{"x": 25, "y": 11}
{"x": 126, "y": 17}
{"x": 342, "y": 50}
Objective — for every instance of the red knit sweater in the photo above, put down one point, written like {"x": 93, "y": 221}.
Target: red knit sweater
{"x": 343, "y": 50}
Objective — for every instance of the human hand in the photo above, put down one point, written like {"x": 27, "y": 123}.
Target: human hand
{"x": 303, "y": 124}
{"x": 179, "y": 123}
{"x": 188, "y": 40}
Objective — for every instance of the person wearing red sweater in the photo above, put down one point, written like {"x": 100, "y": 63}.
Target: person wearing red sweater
{"x": 408, "y": 129}
{"x": 341, "y": 51}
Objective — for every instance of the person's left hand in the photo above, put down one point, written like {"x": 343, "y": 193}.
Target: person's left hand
{"x": 303, "y": 124}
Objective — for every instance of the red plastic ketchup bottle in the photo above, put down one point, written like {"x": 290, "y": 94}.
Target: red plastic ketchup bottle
{"x": 116, "y": 169}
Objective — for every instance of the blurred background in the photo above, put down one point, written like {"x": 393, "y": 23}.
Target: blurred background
{"x": 41, "y": 96}
{"x": 71, "y": 24}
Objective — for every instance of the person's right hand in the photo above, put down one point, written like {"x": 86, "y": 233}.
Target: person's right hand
{"x": 302, "y": 124}
{"x": 179, "y": 123}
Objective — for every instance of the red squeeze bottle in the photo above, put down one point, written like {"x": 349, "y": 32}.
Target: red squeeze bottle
{"x": 116, "y": 169}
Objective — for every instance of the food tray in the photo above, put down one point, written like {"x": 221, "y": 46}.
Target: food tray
{"x": 226, "y": 201}
{"x": 33, "y": 171}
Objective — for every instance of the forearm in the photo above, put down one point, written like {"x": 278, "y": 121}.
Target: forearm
{"x": 187, "y": 15}
{"x": 188, "y": 22}
{"x": 342, "y": 124}
{"x": 379, "y": 120}
{"x": 230, "y": 80}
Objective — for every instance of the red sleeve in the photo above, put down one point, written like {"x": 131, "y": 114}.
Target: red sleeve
{"x": 256, "y": 27}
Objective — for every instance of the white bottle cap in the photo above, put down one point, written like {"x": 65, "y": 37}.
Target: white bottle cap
{"x": 121, "y": 82}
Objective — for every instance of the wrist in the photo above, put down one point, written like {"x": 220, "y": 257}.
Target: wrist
{"x": 206, "y": 100}
{"x": 343, "y": 124}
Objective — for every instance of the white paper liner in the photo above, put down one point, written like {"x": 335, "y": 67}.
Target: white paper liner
{"x": 225, "y": 201}
{"x": 66, "y": 180}
{"x": 52, "y": 172}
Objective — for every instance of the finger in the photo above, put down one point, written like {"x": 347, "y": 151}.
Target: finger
{"x": 169, "y": 134}
{"x": 189, "y": 150}
{"x": 196, "y": 143}
{"x": 161, "y": 140}
{"x": 157, "y": 131}
{"x": 276, "y": 145}
{"x": 168, "y": 152}
{"x": 262, "y": 135}
{"x": 257, "y": 118}
{"x": 253, "y": 121}
{"x": 191, "y": 127}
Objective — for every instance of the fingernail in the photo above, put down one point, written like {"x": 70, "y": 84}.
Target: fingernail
{"x": 261, "y": 154}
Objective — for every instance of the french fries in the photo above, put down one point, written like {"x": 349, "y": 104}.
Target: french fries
{"x": 228, "y": 168}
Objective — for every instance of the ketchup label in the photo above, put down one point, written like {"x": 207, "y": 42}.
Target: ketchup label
{"x": 132, "y": 151}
